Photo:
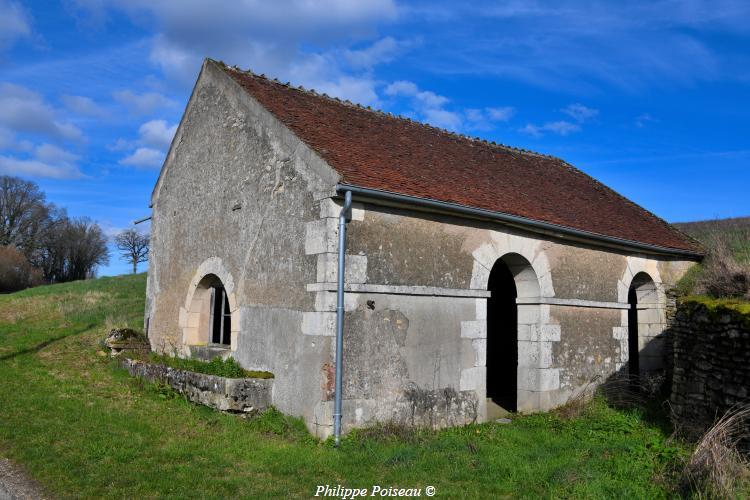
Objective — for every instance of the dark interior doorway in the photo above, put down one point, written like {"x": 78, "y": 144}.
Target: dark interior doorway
{"x": 634, "y": 369}
{"x": 221, "y": 317}
{"x": 502, "y": 337}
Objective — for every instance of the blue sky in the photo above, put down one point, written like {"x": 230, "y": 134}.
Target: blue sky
{"x": 652, "y": 98}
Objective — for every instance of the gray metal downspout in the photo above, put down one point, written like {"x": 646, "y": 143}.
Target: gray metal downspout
{"x": 344, "y": 217}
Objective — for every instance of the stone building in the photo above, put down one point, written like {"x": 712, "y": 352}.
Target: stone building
{"x": 478, "y": 275}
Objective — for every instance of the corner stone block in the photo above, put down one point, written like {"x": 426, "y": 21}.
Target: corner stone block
{"x": 620, "y": 332}
{"x": 326, "y": 301}
{"x": 328, "y": 270}
{"x": 538, "y": 379}
{"x": 473, "y": 330}
{"x": 549, "y": 333}
{"x": 480, "y": 275}
{"x": 321, "y": 236}
{"x": 473, "y": 379}
{"x": 528, "y": 333}
{"x": 322, "y": 425}
{"x": 528, "y": 313}
{"x": 486, "y": 255}
{"x": 481, "y": 311}
{"x": 535, "y": 354}
{"x": 332, "y": 209}
{"x": 480, "y": 351}
{"x": 319, "y": 323}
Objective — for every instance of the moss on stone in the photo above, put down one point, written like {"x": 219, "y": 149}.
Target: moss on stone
{"x": 228, "y": 368}
{"x": 713, "y": 304}
{"x": 723, "y": 310}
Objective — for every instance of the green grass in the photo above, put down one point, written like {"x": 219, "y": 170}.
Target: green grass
{"x": 228, "y": 368}
{"x": 84, "y": 428}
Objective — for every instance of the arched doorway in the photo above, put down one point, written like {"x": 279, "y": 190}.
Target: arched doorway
{"x": 502, "y": 338}
{"x": 209, "y": 315}
{"x": 643, "y": 302}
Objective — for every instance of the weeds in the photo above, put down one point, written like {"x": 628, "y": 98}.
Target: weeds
{"x": 389, "y": 431}
{"x": 725, "y": 272}
{"x": 228, "y": 368}
{"x": 718, "y": 468}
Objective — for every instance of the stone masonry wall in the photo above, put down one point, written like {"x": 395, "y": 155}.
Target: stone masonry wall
{"x": 711, "y": 344}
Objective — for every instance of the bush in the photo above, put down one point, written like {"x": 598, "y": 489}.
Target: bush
{"x": 725, "y": 271}
{"x": 16, "y": 273}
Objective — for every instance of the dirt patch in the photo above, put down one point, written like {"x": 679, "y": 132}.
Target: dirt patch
{"x": 16, "y": 484}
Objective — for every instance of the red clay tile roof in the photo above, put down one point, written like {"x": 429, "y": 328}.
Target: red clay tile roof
{"x": 378, "y": 151}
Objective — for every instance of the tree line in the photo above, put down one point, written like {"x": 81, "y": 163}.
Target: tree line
{"x": 40, "y": 243}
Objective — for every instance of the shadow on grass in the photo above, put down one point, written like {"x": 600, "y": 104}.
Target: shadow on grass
{"x": 46, "y": 343}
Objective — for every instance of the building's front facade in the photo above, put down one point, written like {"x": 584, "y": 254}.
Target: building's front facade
{"x": 451, "y": 307}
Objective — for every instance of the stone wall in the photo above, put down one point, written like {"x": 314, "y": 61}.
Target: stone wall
{"x": 245, "y": 395}
{"x": 711, "y": 372}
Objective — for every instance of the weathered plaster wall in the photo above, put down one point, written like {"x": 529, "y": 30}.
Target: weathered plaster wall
{"x": 429, "y": 274}
{"x": 233, "y": 200}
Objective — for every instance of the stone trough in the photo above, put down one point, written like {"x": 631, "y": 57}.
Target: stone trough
{"x": 238, "y": 395}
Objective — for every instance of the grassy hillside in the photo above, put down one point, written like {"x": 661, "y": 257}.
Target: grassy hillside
{"x": 83, "y": 428}
{"x": 735, "y": 231}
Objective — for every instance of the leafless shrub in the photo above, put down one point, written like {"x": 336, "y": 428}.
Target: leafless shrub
{"x": 726, "y": 269}
{"x": 719, "y": 466}
{"x": 625, "y": 391}
{"x": 16, "y": 272}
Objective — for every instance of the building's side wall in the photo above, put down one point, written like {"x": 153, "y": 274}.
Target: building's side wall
{"x": 416, "y": 312}
{"x": 233, "y": 200}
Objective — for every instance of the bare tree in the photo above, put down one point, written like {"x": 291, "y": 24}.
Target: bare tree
{"x": 24, "y": 214}
{"x": 61, "y": 248}
{"x": 86, "y": 248}
{"x": 134, "y": 247}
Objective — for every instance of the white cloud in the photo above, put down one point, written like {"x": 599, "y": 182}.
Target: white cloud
{"x": 142, "y": 104}
{"x": 14, "y": 23}
{"x": 53, "y": 154}
{"x": 144, "y": 158}
{"x": 443, "y": 118}
{"x": 305, "y": 42}
{"x": 46, "y": 161}
{"x": 157, "y": 134}
{"x": 559, "y": 127}
{"x": 487, "y": 118}
{"x": 643, "y": 119}
{"x": 402, "y": 87}
{"x": 154, "y": 138}
{"x": 84, "y": 106}
{"x": 430, "y": 107}
{"x": 22, "y": 110}
{"x": 382, "y": 51}
{"x": 500, "y": 114}
{"x": 579, "y": 112}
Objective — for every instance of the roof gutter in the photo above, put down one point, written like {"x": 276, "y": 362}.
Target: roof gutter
{"x": 563, "y": 232}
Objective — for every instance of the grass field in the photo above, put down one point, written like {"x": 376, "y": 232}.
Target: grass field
{"x": 83, "y": 428}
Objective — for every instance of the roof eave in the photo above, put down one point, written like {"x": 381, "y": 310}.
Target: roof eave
{"x": 547, "y": 228}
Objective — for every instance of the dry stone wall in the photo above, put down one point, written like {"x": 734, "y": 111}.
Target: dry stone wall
{"x": 711, "y": 372}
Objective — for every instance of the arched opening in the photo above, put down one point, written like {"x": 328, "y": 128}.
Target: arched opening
{"x": 502, "y": 339}
{"x": 209, "y": 315}
{"x": 643, "y": 303}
